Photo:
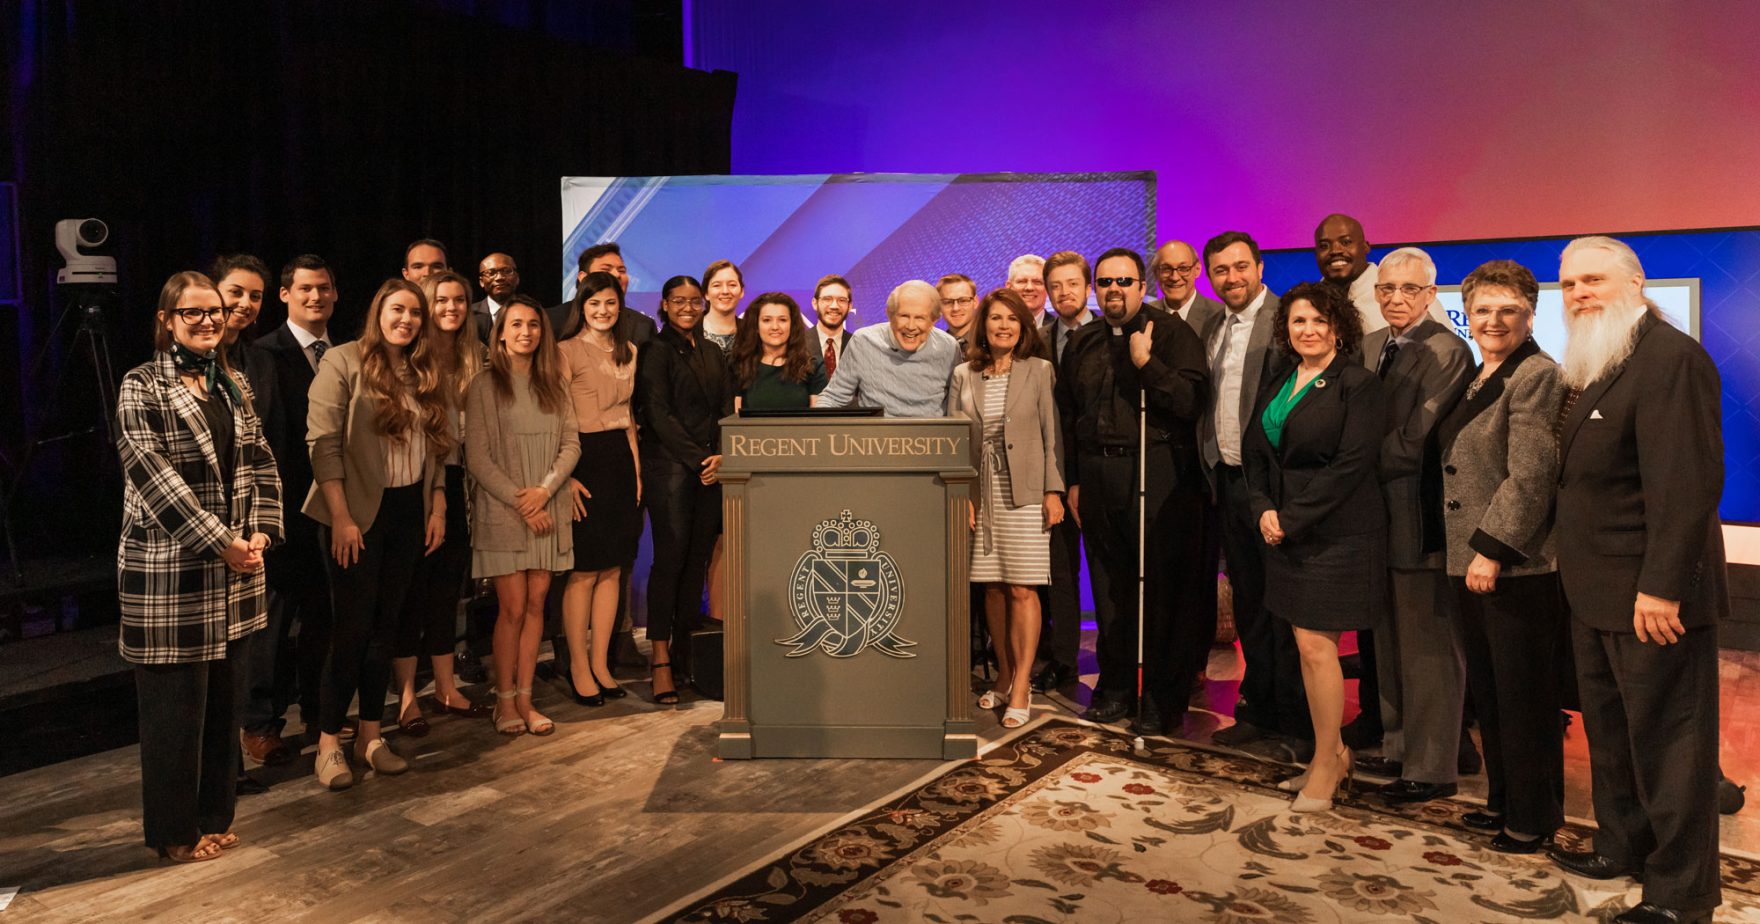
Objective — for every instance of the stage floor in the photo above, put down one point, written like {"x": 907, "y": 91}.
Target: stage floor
{"x": 616, "y": 817}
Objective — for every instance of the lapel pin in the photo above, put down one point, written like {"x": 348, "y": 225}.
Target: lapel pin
{"x": 1319, "y": 383}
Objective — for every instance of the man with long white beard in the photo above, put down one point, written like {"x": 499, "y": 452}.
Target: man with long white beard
{"x": 1641, "y": 556}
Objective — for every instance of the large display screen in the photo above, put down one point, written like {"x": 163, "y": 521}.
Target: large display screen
{"x": 877, "y": 230}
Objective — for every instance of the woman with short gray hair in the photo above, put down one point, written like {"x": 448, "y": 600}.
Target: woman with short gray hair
{"x": 1499, "y": 463}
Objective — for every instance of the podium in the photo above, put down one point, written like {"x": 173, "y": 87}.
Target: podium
{"x": 846, "y": 561}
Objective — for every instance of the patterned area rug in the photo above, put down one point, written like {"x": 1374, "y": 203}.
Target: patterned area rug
{"x": 1065, "y": 823}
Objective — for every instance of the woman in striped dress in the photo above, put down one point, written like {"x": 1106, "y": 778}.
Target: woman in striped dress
{"x": 1005, "y": 389}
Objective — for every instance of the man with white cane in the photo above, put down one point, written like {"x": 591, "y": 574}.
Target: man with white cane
{"x": 1129, "y": 393}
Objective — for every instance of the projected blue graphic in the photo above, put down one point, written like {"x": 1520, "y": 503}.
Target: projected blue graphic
{"x": 1725, "y": 266}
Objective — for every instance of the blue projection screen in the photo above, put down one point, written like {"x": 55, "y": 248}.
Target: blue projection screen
{"x": 877, "y": 229}
{"x": 1708, "y": 282}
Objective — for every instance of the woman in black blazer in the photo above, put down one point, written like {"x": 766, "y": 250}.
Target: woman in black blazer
{"x": 1498, "y": 467}
{"x": 683, "y": 388}
{"x": 1311, "y": 448}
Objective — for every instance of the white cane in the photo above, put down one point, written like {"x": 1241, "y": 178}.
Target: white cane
{"x": 1137, "y": 744}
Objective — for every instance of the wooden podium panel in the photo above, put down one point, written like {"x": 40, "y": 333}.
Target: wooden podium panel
{"x": 846, "y": 567}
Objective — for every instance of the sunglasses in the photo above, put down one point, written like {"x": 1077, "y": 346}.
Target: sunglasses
{"x": 1122, "y": 282}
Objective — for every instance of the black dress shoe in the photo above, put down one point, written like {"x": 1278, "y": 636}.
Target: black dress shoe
{"x": 1360, "y": 735}
{"x": 1400, "y": 792}
{"x": 1107, "y": 710}
{"x": 1591, "y": 865}
{"x": 1237, "y": 734}
{"x": 1149, "y": 721}
{"x": 1648, "y": 913}
{"x": 1376, "y": 765}
{"x": 1052, "y": 677}
{"x": 249, "y": 786}
{"x": 1503, "y": 843}
{"x": 1483, "y": 821}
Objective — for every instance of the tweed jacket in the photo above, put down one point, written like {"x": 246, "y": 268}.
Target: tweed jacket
{"x": 180, "y": 603}
{"x": 1499, "y": 464}
{"x": 345, "y": 446}
{"x": 1426, "y": 379}
{"x": 1032, "y": 438}
{"x": 492, "y": 456}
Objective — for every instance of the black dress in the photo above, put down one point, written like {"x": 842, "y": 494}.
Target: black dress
{"x": 606, "y": 537}
{"x": 1329, "y": 573}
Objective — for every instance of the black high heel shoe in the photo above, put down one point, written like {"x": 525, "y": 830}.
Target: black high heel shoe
{"x": 666, "y": 697}
{"x": 608, "y": 690}
{"x": 594, "y": 701}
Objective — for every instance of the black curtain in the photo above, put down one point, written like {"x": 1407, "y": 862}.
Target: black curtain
{"x": 344, "y": 129}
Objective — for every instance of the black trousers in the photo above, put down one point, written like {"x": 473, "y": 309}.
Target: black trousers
{"x": 1651, "y": 715}
{"x": 1271, "y": 693}
{"x": 368, "y": 599}
{"x": 1208, "y": 565}
{"x": 1060, "y": 602}
{"x": 189, "y": 746}
{"x": 1515, "y": 670}
{"x": 283, "y": 666}
{"x": 429, "y": 622}
{"x": 686, "y": 515}
{"x": 1172, "y": 627}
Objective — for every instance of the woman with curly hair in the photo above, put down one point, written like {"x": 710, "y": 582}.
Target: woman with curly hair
{"x": 1311, "y": 450}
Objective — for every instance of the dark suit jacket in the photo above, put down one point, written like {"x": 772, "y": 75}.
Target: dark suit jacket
{"x": 1053, "y": 330}
{"x": 680, "y": 403}
{"x": 1426, "y": 379}
{"x": 1094, "y": 394}
{"x": 1640, "y": 477}
{"x": 1206, "y": 313}
{"x": 284, "y": 426}
{"x": 1321, "y": 477}
{"x": 484, "y": 321}
{"x": 1499, "y": 463}
{"x": 1264, "y": 362}
{"x": 257, "y": 365}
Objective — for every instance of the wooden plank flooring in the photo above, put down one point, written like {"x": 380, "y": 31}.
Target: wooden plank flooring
{"x": 619, "y": 815}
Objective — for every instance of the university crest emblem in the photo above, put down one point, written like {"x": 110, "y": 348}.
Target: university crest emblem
{"x": 846, "y": 594}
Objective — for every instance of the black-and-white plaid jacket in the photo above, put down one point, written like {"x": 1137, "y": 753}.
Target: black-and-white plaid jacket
{"x": 180, "y": 603}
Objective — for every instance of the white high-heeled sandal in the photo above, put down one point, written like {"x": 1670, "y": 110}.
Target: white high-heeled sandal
{"x": 1015, "y": 718}
{"x": 513, "y": 725}
{"x": 991, "y": 699}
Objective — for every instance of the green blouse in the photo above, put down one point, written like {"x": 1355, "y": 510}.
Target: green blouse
{"x": 1278, "y": 410}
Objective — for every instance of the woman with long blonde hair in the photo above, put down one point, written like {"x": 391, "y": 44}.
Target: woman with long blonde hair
{"x": 520, "y": 445}
{"x": 429, "y": 624}
{"x": 378, "y": 428}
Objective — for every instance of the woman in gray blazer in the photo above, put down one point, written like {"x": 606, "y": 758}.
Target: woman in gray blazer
{"x": 1499, "y": 464}
{"x": 1005, "y": 390}
{"x": 377, "y": 426}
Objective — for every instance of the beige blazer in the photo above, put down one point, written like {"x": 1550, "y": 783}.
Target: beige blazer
{"x": 1032, "y": 439}
{"x": 344, "y": 445}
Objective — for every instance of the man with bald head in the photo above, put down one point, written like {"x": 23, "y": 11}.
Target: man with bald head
{"x": 498, "y": 275}
{"x": 1342, "y": 251}
{"x": 1175, "y": 268}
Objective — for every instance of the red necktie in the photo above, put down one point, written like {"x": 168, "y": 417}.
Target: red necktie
{"x": 830, "y": 356}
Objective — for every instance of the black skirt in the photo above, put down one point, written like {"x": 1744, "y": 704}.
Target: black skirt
{"x": 607, "y": 536}
{"x": 1333, "y": 584}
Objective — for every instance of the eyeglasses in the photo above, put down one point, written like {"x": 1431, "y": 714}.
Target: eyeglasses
{"x": 842, "y": 300}
{"x": 968, "y": 301}
{"x": 498, "y": 271}
{"x": 194, "y": 316}
{"x": 1122, "y": 282}
{"x": 1409, "y": 290}
{"x": 1176, "y": 269}
{"x": 680, "y": 301}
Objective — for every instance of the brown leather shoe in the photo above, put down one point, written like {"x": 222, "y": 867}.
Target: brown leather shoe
{"x": 268, "y": 750}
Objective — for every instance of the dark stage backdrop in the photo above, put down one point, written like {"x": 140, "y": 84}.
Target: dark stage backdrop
{"x": 339, "y": 128}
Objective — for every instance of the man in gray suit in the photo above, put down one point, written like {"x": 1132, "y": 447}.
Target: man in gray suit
{"x": 1425, "y": 367}
{"x": 1175, "y": 268}
{"x": 1272, "y": 701}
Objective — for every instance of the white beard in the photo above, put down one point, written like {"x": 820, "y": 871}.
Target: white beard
{"x": 1599, "y": 343}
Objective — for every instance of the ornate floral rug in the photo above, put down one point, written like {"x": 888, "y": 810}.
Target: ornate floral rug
{"x": 1065, "y": 823}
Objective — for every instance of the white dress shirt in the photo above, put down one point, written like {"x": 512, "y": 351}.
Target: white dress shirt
{"x": 306, "y": 338}
{"x": 1236, "y": 329}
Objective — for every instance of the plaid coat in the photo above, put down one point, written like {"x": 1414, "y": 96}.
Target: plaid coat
{"x": 180, "y": 603}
